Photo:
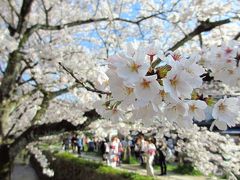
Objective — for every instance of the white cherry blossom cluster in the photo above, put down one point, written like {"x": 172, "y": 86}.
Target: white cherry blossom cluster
{"x": 146, "y": 83}
{"x": 102, "y": 128}
{"x": 210, "y": 152}
{"x": 41, "y": 158}
{"x": 7, "y": 43}
{"x": 223, "y": 61}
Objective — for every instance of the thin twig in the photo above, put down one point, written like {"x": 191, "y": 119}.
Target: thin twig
{"x": 93, "y": 89}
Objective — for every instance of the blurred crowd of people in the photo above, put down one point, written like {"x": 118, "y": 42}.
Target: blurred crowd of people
{"x": 77, "y": 143}
{"x": 148, "y": 151}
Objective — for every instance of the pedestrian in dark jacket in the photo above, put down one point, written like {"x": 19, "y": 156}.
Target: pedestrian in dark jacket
{"x": 162, "y": 148}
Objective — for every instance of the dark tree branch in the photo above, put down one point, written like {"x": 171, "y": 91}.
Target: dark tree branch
{"x": 4, "y": 19}
{"x": 47, "y": 97}
{"x": 13, "y": 8}
{"x": 26, "y": 81}
{"x": 200, "y": 40}
{"x": 10, "y": 75}
{"x": 36, "y": 131}
{"x": 62, "y": 91}
{"x": 237, "y": 36}
{"x": 46, "y": 11}
{"x": 25, "y": 10}
{"x": 9, "y": 131}
{"x": 28, "y": 66}
{"x": 140, "y": 19}
{"x": 37, "y": 27}
{"x": 203, "y": 27}
{"x": 83, "y": 84}
{"x": 13, "y": 126}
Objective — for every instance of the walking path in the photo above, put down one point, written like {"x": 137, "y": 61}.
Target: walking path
{"x": 136, "y": 168}
{"x": 26, "y": 172}
{"x": 22, "y": 170}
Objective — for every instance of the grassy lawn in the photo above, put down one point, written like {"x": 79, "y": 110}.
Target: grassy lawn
{"x": 99, "y": 167}
{"x": 180, "y": 170}
{"x": 171, "y": 168}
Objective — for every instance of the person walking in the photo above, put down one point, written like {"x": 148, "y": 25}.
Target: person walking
{"x": 120, "y": 152}
{"x": 150, "y": 151}
{"x": 161, "y": 149}
{"x": 113, "y": 152}
{"x": 105, "y": 151}
{"x": 66, "y": 143}
{"x": 79, "y": 145}
{"x": 142, "y": 149}
{"x": 74, "y": 142}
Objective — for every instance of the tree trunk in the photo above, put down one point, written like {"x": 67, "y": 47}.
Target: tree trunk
{"x": 5, "y": 163}
{"x": 8, "y": 152}
{"x": 7, "y": 88}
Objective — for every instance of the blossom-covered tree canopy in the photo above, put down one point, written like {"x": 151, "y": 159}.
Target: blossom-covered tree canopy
{"x": 66, "y": 63}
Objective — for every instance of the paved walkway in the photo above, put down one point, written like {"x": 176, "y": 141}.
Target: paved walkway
{"x": 136, "y": 168}
{"x": 23, "y": 172}
{"x": 22, "y": 169}
{"x": 26, "y": 172}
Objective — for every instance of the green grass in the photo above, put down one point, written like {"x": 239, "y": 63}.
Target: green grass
{"x": 180, "y": 170}
{"x": 173, "y": 168}
{"x": 128, "y": 175}
{"x": 43, "y": 146}
{"x": 85, "y": 147}
{"x": 99, "y": 167}
{"x": 77, "y": 161}
{"x": 133, "y": 160}
{"x": 170, "y": 167}
{"x": 187, "y": 170}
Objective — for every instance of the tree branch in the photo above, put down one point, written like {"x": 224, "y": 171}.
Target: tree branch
{"x": 46, "y": 12}
{"x": 47, "y": 97}
{"x": 83, "y": 84}
{"x": 25, "y": 10}
{"x": 28, "y": 66}
{"x": 237, "y": 36}
{"x": 203, "y": 27}
{"x": 37, "y": 27}
{"x": 36, "y": 131}
{"x": 13, "y": 8}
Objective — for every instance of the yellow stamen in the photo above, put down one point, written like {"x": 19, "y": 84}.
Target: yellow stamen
{"x": 230, "y": 71}
{"x": 145, "y": 84}
{"x": 134, "y": 67}
{"x": 193, "y": 108}
{"x": 129, "y": 90}
{"x": 174, "y": 81}
{"x": 176, "y": 57}
{"x": 222, "y": 107}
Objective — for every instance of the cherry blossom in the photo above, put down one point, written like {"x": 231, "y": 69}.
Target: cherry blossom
{"x": 226, "y": 111}
{"x": 175, "y": 111}
{"x": 196, "y": 109}
{"x": 175, "y": 84}
{"x": 147, "y": 88}
{"x": 132, "y": 68}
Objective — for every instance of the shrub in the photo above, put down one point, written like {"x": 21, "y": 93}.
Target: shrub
{"x": 68, "y": 166}
{"x": 187, "y": 169}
